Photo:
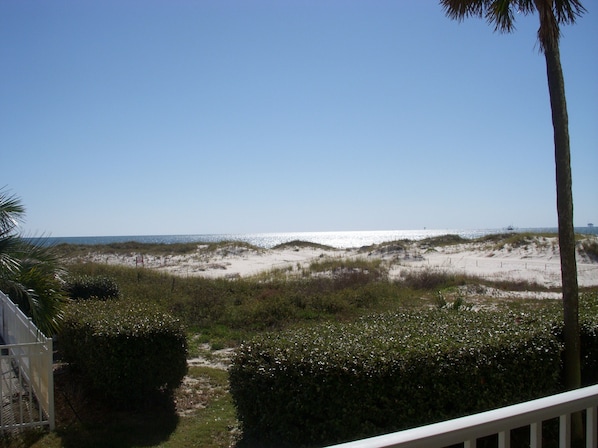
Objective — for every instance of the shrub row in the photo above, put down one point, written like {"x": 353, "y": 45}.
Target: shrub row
{"x": 588, "y": 323}
{"x": 384, "y": 373}
{"x": 125, "y": 350}
{"x": 85, "y": 287}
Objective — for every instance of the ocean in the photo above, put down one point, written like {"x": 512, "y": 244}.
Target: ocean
{"x": 340, "y": 240}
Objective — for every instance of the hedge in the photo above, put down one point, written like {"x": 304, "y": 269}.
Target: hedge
{"x": 86, "y": 287}
{"x": 588, "y": 323}
{"x": 124, "y": 350}
{"x": 339, "y": 382}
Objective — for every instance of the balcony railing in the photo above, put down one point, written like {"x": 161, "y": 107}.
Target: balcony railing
{"x": 27, "y": 381}
{"x": 467, "y": 430}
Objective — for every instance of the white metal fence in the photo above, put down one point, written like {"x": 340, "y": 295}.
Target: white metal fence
{"x": 501, "y": 421}
{"x": 27, "y": 381}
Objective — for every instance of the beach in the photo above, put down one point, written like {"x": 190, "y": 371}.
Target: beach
{"x": 536, "y": 261}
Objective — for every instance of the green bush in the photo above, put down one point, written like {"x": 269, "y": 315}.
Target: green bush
{"x": 337, "y": 382}
{"x": 588, "y": 323}
{"x": 86, "y": 287}
{"x": 124, "y": 350}
{"x": 590, "y": 248}
{"x": 384, "y": 373}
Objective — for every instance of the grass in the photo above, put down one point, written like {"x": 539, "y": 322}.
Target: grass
{"x": 225, "y": 311}
{"x": 220, "y": 313}
{"x": 70, "y": 251}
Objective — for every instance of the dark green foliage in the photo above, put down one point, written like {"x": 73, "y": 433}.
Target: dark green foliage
{"x": 384, "y": 373}
{"x": 590, "y": 248}
{"x": 125, "y": 350}
{"x": 588, "y": 328}
{"x": 30, "y": 270}
{"x": 85, "y": 287}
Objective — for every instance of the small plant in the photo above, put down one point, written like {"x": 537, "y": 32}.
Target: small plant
{"x": 458, "y": 304}
{"x": 440, "y": 300}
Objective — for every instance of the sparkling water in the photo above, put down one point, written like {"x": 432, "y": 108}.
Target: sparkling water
{"x": 341, "y": 240}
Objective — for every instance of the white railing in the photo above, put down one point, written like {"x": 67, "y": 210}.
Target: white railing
{"x": 27, "y": 380}
{"x": 501, "y": 421}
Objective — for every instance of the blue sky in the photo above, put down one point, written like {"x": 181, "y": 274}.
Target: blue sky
{"x": 184, "y": 117}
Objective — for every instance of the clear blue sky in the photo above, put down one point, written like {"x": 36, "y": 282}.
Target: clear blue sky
{"x": 183, "y": 117}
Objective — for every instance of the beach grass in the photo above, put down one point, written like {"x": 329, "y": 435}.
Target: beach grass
{"x": 70, "y": 251}
{"x": 224, "y": 311}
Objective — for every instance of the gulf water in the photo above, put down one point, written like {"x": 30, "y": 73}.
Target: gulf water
{"x": 341, "y": 240}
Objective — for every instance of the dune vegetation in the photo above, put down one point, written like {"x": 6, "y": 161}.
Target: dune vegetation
{"x": 219, "y": 313}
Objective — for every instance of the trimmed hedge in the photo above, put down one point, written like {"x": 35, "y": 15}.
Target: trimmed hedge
{"x": 336, "y": 382}
{"x": 86, "y": 287}
{"x": 588, "y": 328}
{"x": 124, "y": 350}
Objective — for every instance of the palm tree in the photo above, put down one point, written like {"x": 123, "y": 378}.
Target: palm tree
{"x": 29, "y": 270}
{"x": 552, "y": 14}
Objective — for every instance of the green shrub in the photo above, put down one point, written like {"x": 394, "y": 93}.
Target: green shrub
{"x": 590, "y": 248}
{"x": 124, "y": 350}
{"x": 429, "y": 279}
{"x": 86, "y": 287}
{"x": 588, "y": 323}
{"x": 384, "y": 373}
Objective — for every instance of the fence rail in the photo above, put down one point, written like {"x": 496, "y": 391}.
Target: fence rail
{"x": 27, "y": 381}
{"x": 501, "y": 421}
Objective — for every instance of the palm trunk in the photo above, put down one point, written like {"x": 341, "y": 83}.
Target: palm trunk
{"x": 564, "y": 200}
{"x": 556, "y": 87}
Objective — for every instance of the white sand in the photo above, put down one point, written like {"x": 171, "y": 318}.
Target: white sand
{"x": 536, "y": 262}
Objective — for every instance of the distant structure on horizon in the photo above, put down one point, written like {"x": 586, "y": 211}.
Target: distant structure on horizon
{"x": 590, "y": 224}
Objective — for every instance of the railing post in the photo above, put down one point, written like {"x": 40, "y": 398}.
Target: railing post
{"x": 535, "y": 435}
{"x": 565, "y": 431}
{"x": 504, "y": 439}
{"x": 591, "y": 427}
{"x": 51, "y": 409}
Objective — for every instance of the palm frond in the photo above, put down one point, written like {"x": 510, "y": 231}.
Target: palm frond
{"x": 38, "y": 296}
{"x": 500, "y": 13}
{"x": 9, "y": 260}
{"x": 11, "y": 212}
{"x": 462, "y": 9}
{"x": 38, "y": 252}
{"x": 568, "y": 11}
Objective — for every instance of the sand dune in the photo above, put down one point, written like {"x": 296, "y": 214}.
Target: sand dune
{"x": 536, "y": 261}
